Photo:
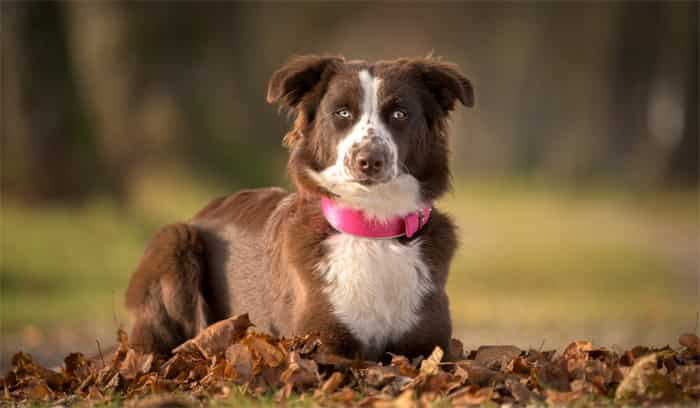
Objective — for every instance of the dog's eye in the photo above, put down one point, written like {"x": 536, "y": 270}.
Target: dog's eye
{"x": 343, "y": 113}
{"x": 399, "y": 114}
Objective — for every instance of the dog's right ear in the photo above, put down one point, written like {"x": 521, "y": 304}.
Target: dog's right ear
{"x": 300, "y": 75}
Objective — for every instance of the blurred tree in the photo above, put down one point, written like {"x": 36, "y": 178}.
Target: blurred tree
{"x": 654, "y": 139}
{"x": 684, "y": 168}
{"x": 96, "y": 94}
{"x": 48, "y": 136}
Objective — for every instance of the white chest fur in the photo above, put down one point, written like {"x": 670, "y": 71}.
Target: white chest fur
{"x": 375, "y": 286}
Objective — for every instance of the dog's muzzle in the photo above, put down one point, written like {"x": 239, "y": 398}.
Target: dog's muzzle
{"x": 370, "y": 162}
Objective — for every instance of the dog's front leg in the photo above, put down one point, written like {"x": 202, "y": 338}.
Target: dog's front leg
{"x": 335, "y": 336}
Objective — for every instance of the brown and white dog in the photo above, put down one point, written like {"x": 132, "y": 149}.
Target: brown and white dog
{"x": 369, "y": 136}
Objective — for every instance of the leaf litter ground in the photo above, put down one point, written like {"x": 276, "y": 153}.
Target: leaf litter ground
{"x": 232, "y": 360}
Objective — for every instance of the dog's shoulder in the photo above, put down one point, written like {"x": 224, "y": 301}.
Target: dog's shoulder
{"x": 246, "y": 208}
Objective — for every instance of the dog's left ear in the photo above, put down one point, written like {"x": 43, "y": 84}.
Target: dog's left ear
{"x": 445, "y": 82}
{"x": 300, "y": 75}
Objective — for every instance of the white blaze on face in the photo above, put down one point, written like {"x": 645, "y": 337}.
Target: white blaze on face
{"x": 401, "y": 194}
{"x": 368, "y": 125}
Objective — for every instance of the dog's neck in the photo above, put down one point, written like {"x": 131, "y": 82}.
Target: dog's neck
{"x": 379, "y": 202}
{"x": 356, "y": 222}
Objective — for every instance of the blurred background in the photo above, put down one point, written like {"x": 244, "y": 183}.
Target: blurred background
{"x": 576, "y": 174}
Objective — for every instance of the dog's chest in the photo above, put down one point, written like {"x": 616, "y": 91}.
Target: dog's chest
{"x": 375, "y": 286}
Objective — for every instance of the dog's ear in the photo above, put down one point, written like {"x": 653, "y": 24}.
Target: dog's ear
{"x": 299, "y": 76}
{"x": 445, "y": 82}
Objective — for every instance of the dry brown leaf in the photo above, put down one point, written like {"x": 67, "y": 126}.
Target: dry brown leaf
{"x": 440, "y": 381}
{"x": 300, "y": 372}
{"x": 479, "y": 375}
{"x": 553, "y": 376}
{"x": 217, "y": 337}
{"x": 431, "y": 365}
{"x": 456, "y": 351}
{"x": 40, "y": 391}
{"x": 630, "y": 356}
{"x": 405, "y": 367}
{"x": 269, "y": 378}
{"x": 690, "y": 341}
{"x": 135, "y": 363}
{"x": 346, "y": 395}
{"x": 160, "y": 401}
{"x": 324, "y": 357}
{"x": 241, "y": 361}
{"x": 688, "y": 378}
{"x": 332, "y": 383}
{"x": 405, "y": 400}
{"x": 376, "y": 400}
{"x": 496, "y": 357}
{"x": 518, "y": 365}
{"x": 270, "y": 354}
{"x": 558, "y": 398}
{"x": 644, "y": 382}
{"x": 472, "y": 395}
{"x": 76, "y": 365}
{"x": 578, "y": 350}
{"x": 519, "y": 391}
{"x": 378, "y": 376}
{"x": 261, "y": 364}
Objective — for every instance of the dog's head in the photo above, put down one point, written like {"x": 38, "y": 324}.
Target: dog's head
{"x": 370, "y": 135}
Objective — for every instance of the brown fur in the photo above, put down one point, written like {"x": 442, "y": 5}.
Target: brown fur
{"x": 256, "y": 251}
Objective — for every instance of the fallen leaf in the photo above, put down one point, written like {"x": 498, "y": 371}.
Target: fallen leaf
{"x": 76, "y": 365}
{"x": 431, "y": 382}
{"x": 135, "y": 363}
{"x": 577, "y": 349}
{"x": 217, "y": 337}
{"x": 405, "y": 367}
{"x": 228, "y": 360}
{"x": 300, "y": 372}
{"x": 495, "y": 357}
{"x": 472, "y": 395}
{"x": 644, "y": 382}
{"x": 260, "y": 346}
{"x": 553, "y": 376}
{"x": 324, "y": 357}
{"x": 519, "y": 391}
{"x": 690, "y": 341}
{"x": 479, "y": 375}
{"x": 630, "y": 356}
{"x": 558, "y": 398}
{"x": 241, "y": 360}
{"x": 346, "y": 395}
{"x": 456, "y": 351}
{"x": 378, "y": 376}
{"x": 518, "y": 365}
{"x": 332, "y": 383}
{"x": 405, "y": 400}
{"x": 688, "y": 378}
{"x": 40, "y": 391}
{"x": 431, "y": 365}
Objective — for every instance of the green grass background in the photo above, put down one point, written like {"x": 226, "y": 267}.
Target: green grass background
{"x": 534, "y": 258}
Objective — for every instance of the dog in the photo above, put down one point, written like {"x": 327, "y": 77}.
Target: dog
{"x": 357, "y": 253}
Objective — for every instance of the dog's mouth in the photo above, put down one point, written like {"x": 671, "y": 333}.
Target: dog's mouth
{"x": 379, "y": 198}
{"x": 372, "y": 181}
{"x": 341, "y": 183}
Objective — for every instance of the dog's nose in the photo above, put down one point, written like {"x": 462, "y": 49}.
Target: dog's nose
{"x": 370, "y": 161}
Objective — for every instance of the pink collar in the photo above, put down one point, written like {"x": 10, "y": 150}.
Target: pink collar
{"x": 354, "y": 222}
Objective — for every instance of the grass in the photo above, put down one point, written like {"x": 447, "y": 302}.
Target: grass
{"x": 538, "y": 256}
{"x": 531, "y": 254}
